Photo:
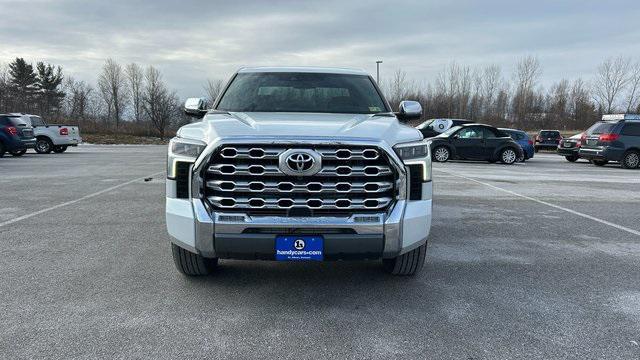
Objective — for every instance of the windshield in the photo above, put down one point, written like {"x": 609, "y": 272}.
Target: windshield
{"x": 601, "y": 128}
{"x": 302, "y": 92}
{"x": 451, "y": 131}
{"x": 426, "y": 124}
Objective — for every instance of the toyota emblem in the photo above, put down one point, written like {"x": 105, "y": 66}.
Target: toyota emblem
{"x": 300, "y": 162}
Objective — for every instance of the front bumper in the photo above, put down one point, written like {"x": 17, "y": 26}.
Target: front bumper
{"x": 360, "y": 236}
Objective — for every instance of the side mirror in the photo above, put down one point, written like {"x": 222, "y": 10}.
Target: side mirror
{"x": 409, "y": 110}
{"x": 196, "y": 107}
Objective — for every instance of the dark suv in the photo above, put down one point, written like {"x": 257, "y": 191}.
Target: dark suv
{"x": 547, "y": 139}
{"x": 16, "y": 136}
{"x": 616, "y": 138}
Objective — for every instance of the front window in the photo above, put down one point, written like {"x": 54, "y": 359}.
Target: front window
{"x": 302, "y": 92}
{"x": 470, "y": 133}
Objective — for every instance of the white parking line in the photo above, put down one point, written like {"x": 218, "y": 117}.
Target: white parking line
{"x": 605, "y": 222}
{"x": 27, "y": 216}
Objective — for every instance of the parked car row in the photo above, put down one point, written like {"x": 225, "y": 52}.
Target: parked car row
{"x": 20, "y": 132}
{"x": 615, "y": 138}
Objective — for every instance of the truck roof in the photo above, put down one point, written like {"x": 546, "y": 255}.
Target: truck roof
{"x": 303, "y": 69}
{"x": 614, "y": 117}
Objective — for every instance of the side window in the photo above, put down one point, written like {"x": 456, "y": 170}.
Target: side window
{"x": 470, "y": 133}
{"x": 36, "y": 121}
{"x": 631, "y": 129}
{"x": 490, "y": 134}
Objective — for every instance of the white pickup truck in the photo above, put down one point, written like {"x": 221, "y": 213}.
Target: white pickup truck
{"x": 295, "y": 164}
{"x": 51, "y": 137}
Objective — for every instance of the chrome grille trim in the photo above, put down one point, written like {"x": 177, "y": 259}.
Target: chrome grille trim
{"x": 273, "y": 170}
{"x": 287, "y": 203}
{"x": 309, "y": 187}
{"x": 257, "y": 152}
{"x": 356, "y": 176}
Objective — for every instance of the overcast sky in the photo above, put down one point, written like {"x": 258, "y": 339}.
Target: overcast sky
{"x": 194, "y": 40}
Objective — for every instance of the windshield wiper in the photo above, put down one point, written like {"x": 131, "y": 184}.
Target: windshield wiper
{"x": 385, "y": 113}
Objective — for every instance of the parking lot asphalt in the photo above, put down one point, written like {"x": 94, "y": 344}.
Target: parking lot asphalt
{"x": 535, "y": 260}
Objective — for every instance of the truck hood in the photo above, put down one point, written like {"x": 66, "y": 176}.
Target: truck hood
{"x": 298, "y": 125}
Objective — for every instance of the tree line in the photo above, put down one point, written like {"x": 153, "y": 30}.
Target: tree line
{"x": 137, "y": 100}
{"x": 485, "y": 94}
{"x": 125, "y": 99}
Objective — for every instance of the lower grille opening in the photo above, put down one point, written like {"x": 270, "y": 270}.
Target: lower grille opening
{"x": 298, "y": 231}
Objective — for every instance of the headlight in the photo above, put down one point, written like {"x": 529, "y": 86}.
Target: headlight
{"x": 412, "y": 150}
{"x": 416, "y": 153}
{"x": 185, "y": 150}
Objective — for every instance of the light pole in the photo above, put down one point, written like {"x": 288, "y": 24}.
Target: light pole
{"x": 378, "y": 62}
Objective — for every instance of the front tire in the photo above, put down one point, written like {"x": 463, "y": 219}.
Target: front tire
{"x": 191, "y": 264}
{"x": 18, "y": 153}
{"x": 600, "y": 162}
{"x": 406, "y": 264}
{"x": 571, "y": 158}
{"x": 59, "y": 149}
{"x": 43, "y": 146}
{"x": 630, "y": 159}
{"x": 441, "y": 154}
{"x": 508, "y": 156}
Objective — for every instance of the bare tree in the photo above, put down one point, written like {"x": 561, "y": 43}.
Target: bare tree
{"x": 527, "y": 73}
{"x": 491, "y": 79}
{"x": 113, "y": 88}
{"x": 4, "y": 87}
{"x": 78, "y": 96}
{"x": 633, "y": 95}
{"x": 159, "y": 104}
{"x": 213, "y": 88}
{"x": 135, "y": 79}
{"x": 610, "y": 81}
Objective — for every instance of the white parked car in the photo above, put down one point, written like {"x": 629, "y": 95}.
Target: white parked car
{"x": 296, "y": 164}
{"x": 51, "y": 137}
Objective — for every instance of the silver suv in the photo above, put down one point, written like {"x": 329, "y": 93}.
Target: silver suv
{"x": 299, "y": 164}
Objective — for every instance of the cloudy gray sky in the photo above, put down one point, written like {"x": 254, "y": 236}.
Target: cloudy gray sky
{"x": 193, "y": 40}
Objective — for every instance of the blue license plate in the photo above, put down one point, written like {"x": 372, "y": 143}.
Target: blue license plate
{"x": 299, "y": 248}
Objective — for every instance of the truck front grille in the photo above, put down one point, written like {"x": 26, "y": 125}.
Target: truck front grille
{"x": 248, "y": 178}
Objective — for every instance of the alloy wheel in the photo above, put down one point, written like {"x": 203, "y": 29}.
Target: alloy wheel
{"x": 508, "y": 156}
{"x": 632, "y": 160}
{"x": 43, "y": 146}
{"x": 441, "y": 154}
